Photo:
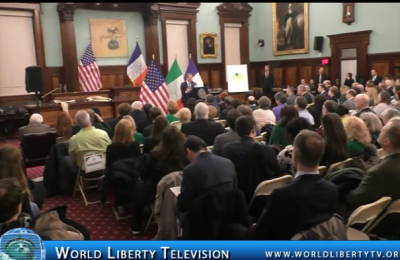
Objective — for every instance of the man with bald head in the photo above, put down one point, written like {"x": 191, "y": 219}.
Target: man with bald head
{"x": 304, "y": 202}
{"x": 389, "y": 86}
{"x": 361, "y": 102}
{"x": 375, "y": 78}
{"x": 382, "y": 179}
{"x": 252, "y": 103}
{"x": 360, "y": 87}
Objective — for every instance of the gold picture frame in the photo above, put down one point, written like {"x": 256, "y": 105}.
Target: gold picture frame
{"x": 290, "y": 36}
{"x": 108, "y": 38}
{"x": 208, "y": 50}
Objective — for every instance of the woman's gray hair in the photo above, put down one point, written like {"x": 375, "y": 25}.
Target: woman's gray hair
{"x": 82, "y": 118}
{"x": 264, "y": 103}
{"x": 201, "y": 111}
{"x": 137, "y": 105}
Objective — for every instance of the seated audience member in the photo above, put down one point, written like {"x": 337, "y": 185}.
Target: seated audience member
{"x": 308, "y": 90}
{"x": 191, "y": 103}
{"x": 123, "y": 110}
{"x": 202, "y": 127}
{"x": 278, "y": 136}
{"x": 236, "y": 103}
{"x": 316, "y": 109}
{"x": 35, "y": 126}
{"x": 138, "y": 137}
{"x": 302, "y": 91}
{"x": 322, "y": 90}
{"x": 357, "y": 90}
{"x": 313, "y": 88}
{"x": 123, "y": 145}
{"x": 64, "y": 127}
{"x": 333, "y": 94}
{"x": 280, "y": 100}
{"x": 335, "y": 140}
{"x": 154, "y": 113}
{"x": 264, "y": 115}
{"x": 291, "y": 97}
{"x": 210, "y": 101}
{"x": 88, "y": 139}
{"x": 349, "y": 80}
{"x": 360, "y": 88}
{"x": 228, "y": 106}
{"x": 372, "y": 93}
{"x": 10, "y": 167}
{"x": 184, "y": 115}
{"x": 343, "y": 112}
{"x": 383, "y": 179}
{"x": 301, "y": 106}
{"x": 383, "y": 102}
{"x": 374, "y": 125}
{"x": 206, "y": 172}
{"x": 146, "y": 109}
{"x": 329, "y": 107}
{"x": 230, "y": 137}
{"x": 327, "y": 84}
{"x": 349, "y": 103}
{"x": 388, "y": 114}
{"x": 101, "y": 125}
{"x": 343, "y": 93}
{"x": 165, "y": 158}
{"x": 245, "y": 110}
{"x": 303, "y": 203}
{"x": 358, "y": 136}
{"x": 252, "y": 102}
{"x": 221, "y": 102}
{"x": 172, "y": 108}
{"x": 285, "y": 157}
{"x": 138, "y": 115}
{"x": 212, "y": 113}
{"x": 303, "y": 82}
{"x": 390, "y": 87}
{"x": 253, "y": 162}
{"x": 361, "y": 103}
{"x": 382, "y": 86}
{"x": 155, "y": 138}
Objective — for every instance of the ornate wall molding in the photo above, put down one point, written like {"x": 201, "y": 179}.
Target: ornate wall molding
{"x": 66, "y": 11}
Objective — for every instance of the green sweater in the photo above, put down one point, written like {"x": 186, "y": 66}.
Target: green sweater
{"x": 171, "y": 118}
{"x": 278, "y": 136}
{"x": 138, "y": 137}
{"x": 354, "y": 147}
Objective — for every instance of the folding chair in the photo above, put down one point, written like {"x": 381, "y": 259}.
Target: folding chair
{"x": 259, "y": 139}
{"x": 381, "y": 153}
{"x": 322, "y": 169}
{"x": 91, "y": 169}
{"x": 309, "y": 105}
{"x": 209, "y": 148}
{"x": 394, "y": 207}
{"x": 177, "y": 124}
{"x": 338, "y": 166}
{"x": 365, "y": 214}
{"x": 264, "y": 135}
{"x": 222, "y": 122}
{"x": 265, "y": 188}
{"x": 141, "y": 148}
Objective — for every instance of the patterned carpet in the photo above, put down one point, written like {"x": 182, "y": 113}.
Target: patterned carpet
{"x": 101, "y": 224}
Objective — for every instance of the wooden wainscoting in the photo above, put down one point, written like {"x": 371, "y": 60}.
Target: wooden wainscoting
{"x": 114, "y": 76}
{"x": 384, "y": 63}
{"x": 211, "y": 74}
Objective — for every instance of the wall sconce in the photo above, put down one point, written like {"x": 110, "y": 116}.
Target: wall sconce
{"x": 261, "y": 42}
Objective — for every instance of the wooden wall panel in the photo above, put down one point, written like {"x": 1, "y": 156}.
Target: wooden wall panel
{"x": 278, "y": 76}
{"x": 211, "y": 74}
{"x": 306, "y": 73}
{"x": 291, "y": 76}
{"x": 384, "y": 63}
{"x": 382, "y": 68}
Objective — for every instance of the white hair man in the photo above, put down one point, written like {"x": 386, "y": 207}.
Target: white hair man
{"x": 89, "y": 139}
{"x": 388, "y": 114}
{"x": 35, "y": 126}
{"x": 203, "y": 127}
{"x": 302, "y": 90}
{"x": 361, "y": 102}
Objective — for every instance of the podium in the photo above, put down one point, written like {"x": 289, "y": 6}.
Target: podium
{"x": 198, "y": 93}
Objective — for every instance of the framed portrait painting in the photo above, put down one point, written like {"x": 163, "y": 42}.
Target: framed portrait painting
{"x": 108, "y": 38}
{"x": 208, "y": 45}
{"x": 289, "y": 28}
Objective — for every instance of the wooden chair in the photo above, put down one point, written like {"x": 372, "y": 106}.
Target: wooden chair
{"x": 338, "y": 166}
{"x": 222, "y": 122}
{"x": 259, "y": 139}
{"x": 322, "y": 169}
{"x": 209, "y": 148}
{"x": 381, "y": 153}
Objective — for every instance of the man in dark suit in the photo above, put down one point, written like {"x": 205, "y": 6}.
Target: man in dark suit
{"x": 304, "y": 202}
{"x": 35, "y": 126}
{"x": 350, "y": 96}
{"x": 154, "y": 113}
{"x": 320, "y": 77}
{"x": 208, "y": 47}
{"x": 361, "y": 102}
{"x": 302, "y": 91}
{"x": 186, "y": 88}
{"x": 382, "y": 179}
{"x": 375, "y": 78}
{"x": 231, "y": 136}
{"x": 202, "y": 127}
{"x": 267, "y": 82}
{"x": 323, "y": 91}
{"x": 123, "y": 110}
{"x": 205, "y": 173}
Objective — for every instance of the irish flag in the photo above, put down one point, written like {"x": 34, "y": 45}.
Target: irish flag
{"x": 137, "y": 68}
{"x": 174, "y": 80}
{"x": 196, "y": 75}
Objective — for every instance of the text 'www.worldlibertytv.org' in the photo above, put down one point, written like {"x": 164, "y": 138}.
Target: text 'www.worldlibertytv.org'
{"x": 332, "y": 254}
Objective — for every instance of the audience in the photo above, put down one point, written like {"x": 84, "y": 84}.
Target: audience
{"x": 88, "y": 139}
{"x": 372, "y": 93}
{"x": 210, "y": 99}
{"x": 303, "y": 203}
{"x": 172, "y": 108}
{"x": 228, "y": 107}
{"x": 252, "y": 103}
{"x": 358, "y": 136}
{"x": 360, "y": 88}
{"x": 146, "y": 109}
{"x": 264, "y": 115}
{"x": 349, "y": 80}
{"x": 374, "y": 125}
{"x": 138, "y": 137}
{"x": 280, "y": 100}
{"x": 333, "y": 94}
{"x": 316, "y": 109}
{"x": 301, "y": 106}
{"x": 99, "y": 125}
{"x": 123, "y": 110}
{"x": 229, "y": 137}
{"x": 343, "y": 112}
{"x": 222, "y": 104}
{"x": 191, "y": 103}
{"x": 381, "y": 180}
{"x": 154, "y": 113}
{"x": 64, "y": 127}
{"x": 35, "y": 126}
{"x": 388, "y": 114}
{"x": 205, "y": 173}
{"x": 155, "y": 138}
{"x": 184, "y": 115}
{"x": 329, "y": 107}
{"x": 343, "y": 93}
{"x": 302, "y": 91}
{"x": 322, "y": 90}
{"x": 383, "y": 102}
{"x": 291, "y": 97}
{"x": 278, "y": 135}
{"x": 335, "y": 140}
{"x": 349, "y": 103}
{"x": 285, "y": 157}
{"x": 11, "y": 205}
{"x": 123, "y": 144}
{"x": 361, "y": 103}
{"x": 236, "y": 103}
{"x": 390, "y": 87}
{"x": 212, "y": 112}
{"x": 202, "y": 127}
{"x": 139, "y": 116}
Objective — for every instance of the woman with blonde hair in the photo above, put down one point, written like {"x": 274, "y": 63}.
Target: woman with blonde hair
{"x": 184, "y": 115}
{"x": 64, "y": 127}
{"x": 138, "y": 137}
{"x": 123, "y": 145}
{"x": 372, "y": 93}
{"x": 374, "y": 125}
{"x": 10, "y": 167}
{"x": 172, "y": 108}
{"x": 357, "y": 135}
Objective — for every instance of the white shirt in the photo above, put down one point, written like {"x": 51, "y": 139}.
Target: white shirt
{"x": 263, "y": 117}
{"x": 305, "y": 114}
{"x": 374, "y": 77}
{"x": 298, "y": 174}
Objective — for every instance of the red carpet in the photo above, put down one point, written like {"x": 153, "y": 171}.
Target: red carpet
{"x": 101, "y": 224}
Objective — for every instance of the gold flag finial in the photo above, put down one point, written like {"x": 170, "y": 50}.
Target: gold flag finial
{"x": 137, "y": 38}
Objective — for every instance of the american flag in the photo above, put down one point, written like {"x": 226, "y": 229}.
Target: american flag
{"x": 154, "y": 90}
{"x": 89, "y": 74}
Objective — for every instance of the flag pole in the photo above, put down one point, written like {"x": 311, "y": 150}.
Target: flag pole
{"x": 137, "y": 38}
{"x": 190, "y": 55}
{"x": 176, "y": 56}
{"x": 152, "y": 56}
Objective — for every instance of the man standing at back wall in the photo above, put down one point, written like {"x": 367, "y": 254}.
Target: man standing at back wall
{"x": 267, "y": 82}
